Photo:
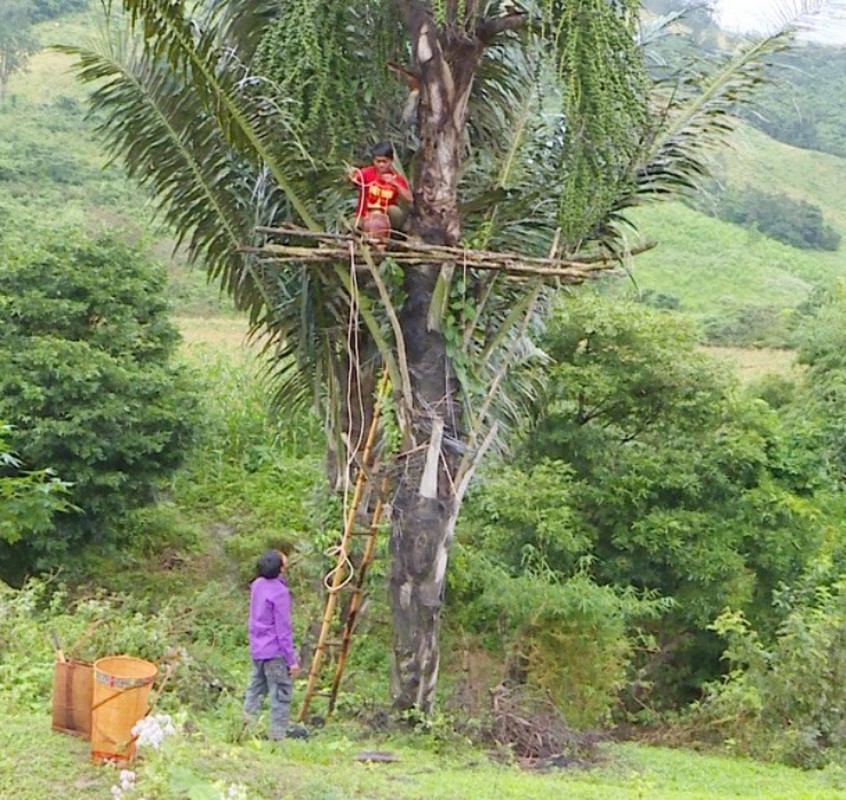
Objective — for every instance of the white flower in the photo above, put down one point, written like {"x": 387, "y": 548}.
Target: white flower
{"x": 151, "y": 731}
{"x": 127, "y": 779}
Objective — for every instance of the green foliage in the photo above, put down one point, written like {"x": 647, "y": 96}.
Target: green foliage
{"x": 820, "y": 400}
{"x": 329, "y": 60}
{"x": 17, "y": 40}
{"x": 201, "y": 633}
{"x": 743, "y": 287}
{"x": 28, "y": 500}
{"x": 525, "y": 517}
{"x": 565, "y": 635}
{"x": 800, "y": 105}
{"x": 783, "y": 698}
{"x": 88, "y": 383}
{"x": 670, "y": 480}
{"x": 795, "y": 222}
{"x": 256, "y": 477}
{"x": 603, "y": 114}
{"x": 48, "y": 9}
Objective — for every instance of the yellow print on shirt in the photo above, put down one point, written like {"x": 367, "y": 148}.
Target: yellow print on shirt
{"x": 377, "y": 192}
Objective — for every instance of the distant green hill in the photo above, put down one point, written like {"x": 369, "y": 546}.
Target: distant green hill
{"x": 54, "y": 174}
{"x": 52, "y": 171}
{"x": 745, "y": 286}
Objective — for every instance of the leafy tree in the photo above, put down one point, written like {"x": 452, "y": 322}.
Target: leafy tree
{"x": 535, "y": 126}
{"x": 17, "y": 40}
{"x": 87, "y": 383}
{"x": 783, "y": 696}
{"x": 672, "y": 480}
{"x": 794, "y": 222}
{"x": 48, "y": 9}
{"x": 802, "y": 106}
{"x": 819, "y": 402}
{"x": 28, "y": 500}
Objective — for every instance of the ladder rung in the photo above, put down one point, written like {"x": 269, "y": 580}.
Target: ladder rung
{"x": 348, "y": 587}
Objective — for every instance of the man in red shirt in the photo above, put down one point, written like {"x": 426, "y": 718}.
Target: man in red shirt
{"x": 379, "y": 188}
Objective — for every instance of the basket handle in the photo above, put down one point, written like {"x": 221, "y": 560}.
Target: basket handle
{"x": 152, "y": 704}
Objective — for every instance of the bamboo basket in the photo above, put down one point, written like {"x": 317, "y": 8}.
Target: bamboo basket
{"x": 72, "y": 697}
{"x": 120, "y": 699}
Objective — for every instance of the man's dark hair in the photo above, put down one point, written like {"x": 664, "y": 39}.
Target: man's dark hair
{"x": 269, "y": 564}
{"x": 382, "y": 150}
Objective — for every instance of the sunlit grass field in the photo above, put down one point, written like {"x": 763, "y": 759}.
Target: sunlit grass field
{"x": 329, "y": 766}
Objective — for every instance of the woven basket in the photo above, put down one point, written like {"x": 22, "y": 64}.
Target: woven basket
{"x": 72, "y": 697}
{"x": 121, "y": 688}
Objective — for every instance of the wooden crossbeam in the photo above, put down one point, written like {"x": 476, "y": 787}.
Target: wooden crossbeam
{"x": 308, "y": 247}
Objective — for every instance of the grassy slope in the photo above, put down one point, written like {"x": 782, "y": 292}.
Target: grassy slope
{"x": 42, "y": 130}
{"x": 712, "y": 265}
{"x": 54, "y": 173}
{"x": 701, "y": 260}
{"x": 326, "y": 768}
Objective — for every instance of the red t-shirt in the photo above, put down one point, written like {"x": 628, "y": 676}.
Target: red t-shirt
{"x": 373, "y": 192}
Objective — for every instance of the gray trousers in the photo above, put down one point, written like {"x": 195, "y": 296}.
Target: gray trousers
{"x": 270, "y": 677}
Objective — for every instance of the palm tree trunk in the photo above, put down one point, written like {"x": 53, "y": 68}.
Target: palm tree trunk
{"x": 426, "y": 503}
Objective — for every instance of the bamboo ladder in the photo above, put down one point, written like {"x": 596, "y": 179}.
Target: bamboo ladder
{"x": 364, "y": 476}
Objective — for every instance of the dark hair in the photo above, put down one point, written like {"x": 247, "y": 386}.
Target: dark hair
{"x": 382, "y": 150}
{"x": 269, "y": 564}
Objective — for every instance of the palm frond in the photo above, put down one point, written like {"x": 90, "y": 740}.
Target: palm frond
{"x": 172, "y": 145}
{"x": 171, "y": 32}
{"x": 693, "y": 117}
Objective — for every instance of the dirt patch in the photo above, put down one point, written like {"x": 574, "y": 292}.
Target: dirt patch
{"x": 226, "y": 334}
{"x": 752, "y": 363}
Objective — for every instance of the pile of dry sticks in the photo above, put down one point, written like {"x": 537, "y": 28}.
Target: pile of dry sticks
{"x": 308, "y": 247}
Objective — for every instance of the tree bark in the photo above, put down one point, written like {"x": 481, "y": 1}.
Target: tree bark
{"x": 426, "y": 503}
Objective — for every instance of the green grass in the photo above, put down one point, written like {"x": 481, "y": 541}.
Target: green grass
{"x": 714, "y": 267}
{"x": 327, "y": 767}
{"x": 756, "y": 160}
{"x": 55, "y": 175}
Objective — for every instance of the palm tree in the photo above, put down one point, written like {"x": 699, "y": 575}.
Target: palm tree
{"x": 533, "y": 127}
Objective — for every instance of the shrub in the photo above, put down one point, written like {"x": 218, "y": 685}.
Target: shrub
{"x": 794, "y": 222}
{"x": 201, "y": 633}
{"x": 568, "y": 637}
{"x": 28, "y": 500}
{"x": 784, "y": 700}
{"x": 88, "y": 384}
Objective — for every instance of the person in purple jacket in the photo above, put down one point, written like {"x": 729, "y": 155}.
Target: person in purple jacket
{"x": 271, "y": 644}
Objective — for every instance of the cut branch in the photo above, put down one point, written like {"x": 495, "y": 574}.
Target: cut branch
{"x": 325, "y": 248}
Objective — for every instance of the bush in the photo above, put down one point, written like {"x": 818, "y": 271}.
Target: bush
{"x": 797, "y": 223}
{"x": 28, "y": 500}
{"x": 88, "y": 385}
{"x": 565, "y": 636}
{"x": 784, "y": 700}
{"x": 200, "y": 632}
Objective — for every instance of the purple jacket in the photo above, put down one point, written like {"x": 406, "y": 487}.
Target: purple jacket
{"x": 269, "y": 623}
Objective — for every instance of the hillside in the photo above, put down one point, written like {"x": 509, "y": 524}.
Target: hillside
{"x": 55, "y": 174}
{"x": 733, "y": 277}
